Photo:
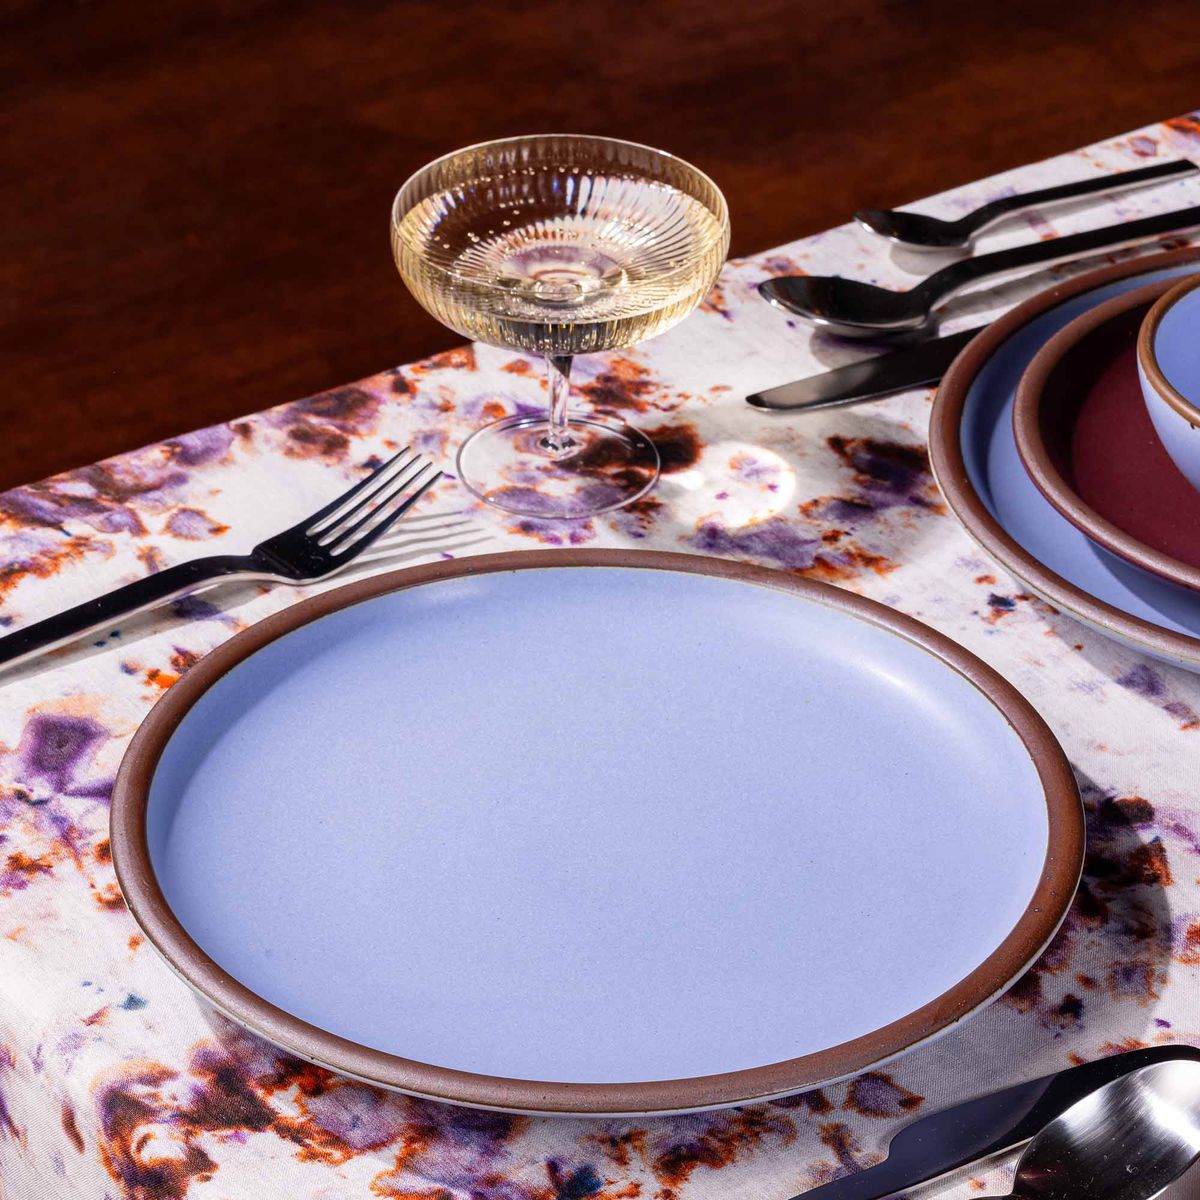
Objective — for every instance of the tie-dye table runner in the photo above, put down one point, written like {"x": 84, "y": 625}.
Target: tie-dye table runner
{"x": 114, "y": 1082}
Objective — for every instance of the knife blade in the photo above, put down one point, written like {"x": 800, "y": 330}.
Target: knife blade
{"x": 935, "y": 1145}
{"x": 883, "y": 375}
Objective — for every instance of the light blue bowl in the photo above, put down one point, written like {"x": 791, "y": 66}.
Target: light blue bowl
{"x": 1169, "y": 367}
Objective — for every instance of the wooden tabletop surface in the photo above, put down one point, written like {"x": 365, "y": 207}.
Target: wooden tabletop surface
{"x": 194, "y": 213}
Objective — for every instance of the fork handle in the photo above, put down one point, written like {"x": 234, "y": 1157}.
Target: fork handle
{"x": 948, "y": 280}
{"x": 1097, "y": 185}
{"x": 100, "y": 613}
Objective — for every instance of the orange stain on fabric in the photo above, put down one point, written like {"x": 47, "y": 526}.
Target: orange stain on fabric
{"x": 160, "y": 679}
{"x": 48, "y": 561}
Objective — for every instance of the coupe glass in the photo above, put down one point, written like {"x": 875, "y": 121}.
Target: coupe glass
{"x": 559, "y": 245}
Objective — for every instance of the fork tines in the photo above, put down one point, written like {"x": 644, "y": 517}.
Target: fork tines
{"x": 349, "y": 524}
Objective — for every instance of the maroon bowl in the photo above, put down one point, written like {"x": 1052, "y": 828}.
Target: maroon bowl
{"x": 1088, "y": 444}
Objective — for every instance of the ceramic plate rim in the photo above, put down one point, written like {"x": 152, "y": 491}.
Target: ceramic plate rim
{"x": 1024, "y": 942}
{"x": 1031, "y": 447}
{"x": 950, "y": 471}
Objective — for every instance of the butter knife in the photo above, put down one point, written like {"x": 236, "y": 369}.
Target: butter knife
{"x": 934, "y": 1145}
{"x": 895, "y": 371}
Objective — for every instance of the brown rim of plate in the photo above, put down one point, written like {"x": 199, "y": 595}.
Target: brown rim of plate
{"x": 1037, "y": 924}
{"x": 1031, "y": 447}
{"x": 1149, "y": 361}
{"x": 949, "y": 469}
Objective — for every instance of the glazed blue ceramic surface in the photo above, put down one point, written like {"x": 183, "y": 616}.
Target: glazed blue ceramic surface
{"x": 1176, "y": 350}
{"x": 1177, "y": 345}
{"x": 999, "y": 477}
{"x": 596, "y": 824}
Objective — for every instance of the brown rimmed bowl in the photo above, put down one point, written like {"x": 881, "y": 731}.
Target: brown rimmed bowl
{"x": 1172, "y": 637}
{"x": 1168, "y": 361}
{"x": 990, "y": 736}
{"x": 1085, "y": 438}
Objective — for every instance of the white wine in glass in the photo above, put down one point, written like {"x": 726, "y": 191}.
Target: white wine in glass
{"x": 559, "y": 245}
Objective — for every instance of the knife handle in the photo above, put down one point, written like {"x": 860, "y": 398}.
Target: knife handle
{"x": 883, "y": 375}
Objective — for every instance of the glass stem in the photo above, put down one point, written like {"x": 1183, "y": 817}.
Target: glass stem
{"x": 558, "y": 442}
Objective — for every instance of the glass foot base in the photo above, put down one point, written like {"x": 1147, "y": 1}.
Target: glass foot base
{"x": 609, "y": 466}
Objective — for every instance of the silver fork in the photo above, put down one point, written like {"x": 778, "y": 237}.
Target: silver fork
{"x": 330, "y": 539}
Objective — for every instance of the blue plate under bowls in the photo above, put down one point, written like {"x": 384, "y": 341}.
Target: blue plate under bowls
{"x": 595, "y": 832}
{"x": 975, "y": 460}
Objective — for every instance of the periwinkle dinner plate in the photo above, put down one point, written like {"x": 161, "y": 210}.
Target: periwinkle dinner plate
{"x": 977, "y": 466}
{"x": 595, "y": 832}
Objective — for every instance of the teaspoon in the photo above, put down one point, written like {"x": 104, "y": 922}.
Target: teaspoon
{"x": 850, "y": 307}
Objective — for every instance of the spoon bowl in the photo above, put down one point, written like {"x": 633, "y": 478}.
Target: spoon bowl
{"x": 916, "y": 229}
{"x": 847, "y": 306}
{"x": 1128, "y": 1140}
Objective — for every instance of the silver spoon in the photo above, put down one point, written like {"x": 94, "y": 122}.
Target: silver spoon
{"x": 1128, "y": 1140}
{"x": 934, "y": 233}
{"x": 849, "y": 307}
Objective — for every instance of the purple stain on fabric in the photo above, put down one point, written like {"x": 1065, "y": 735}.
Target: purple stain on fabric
{"x": 554, "y": 532}
{"x": 430, "y": 441}
{"x": 575, "y": 1184}
{"x": 54, "y": 747}
{"x": 631, "y": 524}
{"x": 753, "y": 470}
{"x": 1176, "y": 824}
{"x": 1070, "y": 1008}
{"x": 7, "y": 1124}
{"x": 459, "y": 1150}
{"x": 890, "y": 473}
{"x": 202, "y": 446}
{"x": 119, "y": 520}
{"x": 28, "y": 506}
{"x": 1144, "y": 680}
{"x": 529, "y": 499}
{"x": 97, "y": 789}
{"x": 877, "y": 1094}
{"x": 194, "y": 525}
{"x": 847, "y": 511}
{"x": 775, "y": 539}
{"x": 1134, "y": 979}
{"x": 195, "y": 608}
{"x": 360, "y": 1117}
{"x": 1180, "y": 711}
{"x": 486, "y": 1133}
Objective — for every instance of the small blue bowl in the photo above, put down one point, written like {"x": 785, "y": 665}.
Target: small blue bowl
{"x": 1169, "y": 366}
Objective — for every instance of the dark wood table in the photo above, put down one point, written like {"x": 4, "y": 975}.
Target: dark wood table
{"x": 196, "y": 196}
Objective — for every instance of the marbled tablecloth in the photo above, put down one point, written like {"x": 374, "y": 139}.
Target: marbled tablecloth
{"x": 113, "y": 1084}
